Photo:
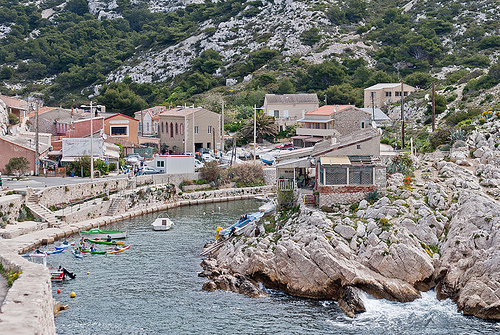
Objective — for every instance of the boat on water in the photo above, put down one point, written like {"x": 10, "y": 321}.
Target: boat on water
{"x": 117, "y": 250}
{"x": 77, "y": 253}
{"x": 58, "y": 274}
{"x": 96, "y": 233}
{"x": 98, "y": 241}
{"x": 90, "y": 251}
{"x": 236, "y": 228}
{"x": 162, "y": 224}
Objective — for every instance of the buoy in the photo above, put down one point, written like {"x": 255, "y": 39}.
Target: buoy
{"x": 72, "y": 295}
{"x": 58, "y": 291}
{"x": 88, "y": 272}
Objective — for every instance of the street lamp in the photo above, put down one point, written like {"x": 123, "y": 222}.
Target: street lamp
{"x": 91, "y": 139}
{"x": 255, "y": 129}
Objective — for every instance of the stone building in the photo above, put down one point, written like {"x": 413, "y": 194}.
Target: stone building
{"x": 383, "y": 94}
{"x": 178, "y": 126}
{"x": 148, "y": 120}
{"x": 287, "y": 109}
{"x": 330, "y": 121}
{"x": 344, "y": 169}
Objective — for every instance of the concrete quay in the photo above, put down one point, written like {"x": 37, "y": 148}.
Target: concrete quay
{"x": 28, "y": 307}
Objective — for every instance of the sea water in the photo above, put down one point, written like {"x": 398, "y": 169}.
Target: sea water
{"x": 154, "y": 288}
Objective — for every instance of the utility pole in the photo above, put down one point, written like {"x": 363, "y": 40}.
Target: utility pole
{"x": 37, "y": 143}
{"x": 142, "y": 121}
{"x": 433, "y": 107}
{"x": 402, "y": 117}
{"x": 222, "y": 131}
{"x": 91, "y": 138}
{"x": 254, "y": 131}
{"x": 373, "y": 106}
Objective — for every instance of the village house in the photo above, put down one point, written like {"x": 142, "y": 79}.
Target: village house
{"x": 148, "y": 120}
{"x": 383, "y": 94}
{"x": 184, "y": 129}
{"x": 344, "y": 169}
{"x": 18, "y": 107}
{"x": 120, "y": 126}
{"x": 287, "y": 109}
{"x": 23, "y": 146}
{"x": 330, "y": 121}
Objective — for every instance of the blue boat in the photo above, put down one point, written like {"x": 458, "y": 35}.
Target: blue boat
{"x": 240, "y": 224}
{"x": 268, "y": 159}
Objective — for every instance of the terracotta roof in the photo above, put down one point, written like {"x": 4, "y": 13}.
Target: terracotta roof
{"x": 118, "y": 114}
{"x": 14, "y": 103}
{"x": 153, "y": 110}
{"x": 42, "y": 110}
{"x": 329, "y": 109}
{"x": 181, "y": 111}
{"x": 307, "y": 98}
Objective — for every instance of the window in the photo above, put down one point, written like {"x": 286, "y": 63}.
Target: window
{"x": 176, "y": 129}
{"x": 182, "y": 129}
{"x": 196, "y": 129}
{"x": 336, "y": 176}
{"x": 276, "y": 113}
{"x": 119, "y": 130}
{"x": 162, "y": 129}
{"x": 160, "y": 163}
{"x": 147, "y": 127}
{"x": 171, "y": 130}
{"x": 361, "y": 176}
{"x": 362, "y": 125}
{"x": 397, "y": 93}
{"x": 388, "y": 94}
{"x": 209, "y": 129}
{"x": 358, "y": 146}
{"x": 406, "y": 94}
{"x": 140, "y": 126}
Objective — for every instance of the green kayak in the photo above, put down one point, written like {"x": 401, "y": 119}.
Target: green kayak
{"x": 104, "y": 242}
{"x": 88, "y": 251}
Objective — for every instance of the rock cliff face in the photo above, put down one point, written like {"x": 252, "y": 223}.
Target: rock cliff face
{"x": 4, "y": 118}
{"x": 441, "y": 233}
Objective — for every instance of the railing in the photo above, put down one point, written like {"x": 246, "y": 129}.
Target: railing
{"x": 285, "y": 185}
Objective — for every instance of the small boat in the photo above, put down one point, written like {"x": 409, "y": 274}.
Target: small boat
{"x": 162, "y": 224}
{"x": 268, "y": 159}
{"x": 98, "y": 241}
{"x": 262, "y": 197}
{"x": 57, "y": 251}
{"x": 58, "y": 274}
{"x": 239, "y": 225}
{"x": 77, "y": 254}
{"x": 96, "y": 233}
{"x": 114, "y": 251}
{"x": 90, "y": 251}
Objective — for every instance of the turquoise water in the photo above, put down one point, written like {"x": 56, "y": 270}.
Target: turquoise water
{"x": 154, "y": 288}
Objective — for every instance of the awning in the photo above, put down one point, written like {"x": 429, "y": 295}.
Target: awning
{"x": 315, "y": 120}
{"x": 340, "y": 160}
{"x": 300, "y": 137}
{"x": 55, "y": 153}
{"x": 313, "y": 139}
{"x": 304, "y": 162}
{"x": 69, "y": 159}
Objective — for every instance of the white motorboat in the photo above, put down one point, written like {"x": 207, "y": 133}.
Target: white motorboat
{"x": 162, "y": 224}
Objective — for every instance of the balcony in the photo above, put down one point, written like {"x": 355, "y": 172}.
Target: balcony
{"x": 316, "y": 132}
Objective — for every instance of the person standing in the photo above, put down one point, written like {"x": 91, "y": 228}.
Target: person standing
{"x": 1, "y": 182}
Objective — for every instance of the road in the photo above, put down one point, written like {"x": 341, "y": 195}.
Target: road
{"x": 41, "y": 182}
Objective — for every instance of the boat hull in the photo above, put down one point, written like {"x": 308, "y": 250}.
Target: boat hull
{"x": 117, "y": 251}
{"x": 162, "y": 224}
{"x": 103, "y": 234}
{"x": 104, "y": 242}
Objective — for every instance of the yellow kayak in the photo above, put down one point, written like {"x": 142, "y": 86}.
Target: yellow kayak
{"x": 118, "y": 250}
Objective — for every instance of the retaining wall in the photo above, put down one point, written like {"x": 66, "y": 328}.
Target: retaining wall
{"x": 29, "y": 306}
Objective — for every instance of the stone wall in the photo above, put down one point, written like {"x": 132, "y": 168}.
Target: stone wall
{"x": 87, "y": 212}
{"x": 270, "y": 176}
{"x": 343, "y": 194}
{"x": 28, "y": 307}
{"x": 380, "y": 178}
{"x": 9, "y": 208}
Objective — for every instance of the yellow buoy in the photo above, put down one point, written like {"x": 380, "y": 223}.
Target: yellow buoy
{"x": 72, "y": 295}
{"x": 218, "y": 230}
{"x": 88, "y": 272}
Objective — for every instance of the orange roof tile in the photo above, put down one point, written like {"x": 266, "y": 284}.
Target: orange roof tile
{"x": 328, "y": 109}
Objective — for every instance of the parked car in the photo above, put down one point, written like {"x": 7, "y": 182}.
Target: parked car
{"x": 146, "y": 170}
{"x": 198, "y": 164}
{"x": 284, "y": 146}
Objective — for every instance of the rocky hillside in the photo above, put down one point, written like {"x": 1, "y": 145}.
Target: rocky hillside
{"x": 438, "y": 232}
{"x": 179, "y": 49}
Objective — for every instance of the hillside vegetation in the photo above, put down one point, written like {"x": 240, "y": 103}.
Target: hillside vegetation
{"x": 131, "y": 54}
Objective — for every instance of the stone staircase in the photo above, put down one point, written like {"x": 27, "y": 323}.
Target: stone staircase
{"x": 42, "y": 212}
{"x": 117, "y": 203}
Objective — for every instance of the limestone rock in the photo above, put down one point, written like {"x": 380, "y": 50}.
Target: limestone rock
{"x": 350, "y": 301}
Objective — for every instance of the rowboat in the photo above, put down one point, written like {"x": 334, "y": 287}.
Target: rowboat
{"x": 236, "y": 228}
{"x": 96, "y": 233}
{"x": 118, "y": 250}
{"x": 97, "y": 241}
{"x": 162, "y": 224}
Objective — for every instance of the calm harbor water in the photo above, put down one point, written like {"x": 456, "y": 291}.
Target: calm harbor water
{"x": 154, "y": 288}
